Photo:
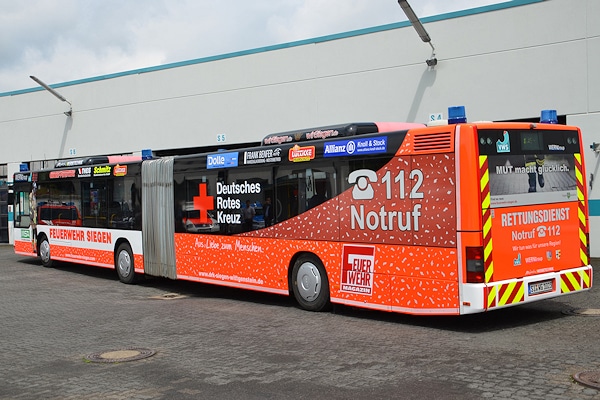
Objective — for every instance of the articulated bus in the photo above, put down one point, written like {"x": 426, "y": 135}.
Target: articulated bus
{"x": 457, "y": 218}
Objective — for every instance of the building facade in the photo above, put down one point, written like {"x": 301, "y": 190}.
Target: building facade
{"x": 502, "y": 62}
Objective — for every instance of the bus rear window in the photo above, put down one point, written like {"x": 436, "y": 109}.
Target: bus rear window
{"x": 530, "y": 141}
{"x": 519, "y": 141}
{"x": 530, "y": 166}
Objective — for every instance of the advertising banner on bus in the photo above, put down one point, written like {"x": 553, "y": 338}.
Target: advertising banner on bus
{"x": 531, "y": 179}
{"x": 534, "y": 239}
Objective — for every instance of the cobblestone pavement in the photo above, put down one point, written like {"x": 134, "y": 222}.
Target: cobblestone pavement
{"x": 222, "y": 343}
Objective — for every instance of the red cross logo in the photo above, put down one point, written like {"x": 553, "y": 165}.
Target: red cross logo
{"x": 203, "y": 203}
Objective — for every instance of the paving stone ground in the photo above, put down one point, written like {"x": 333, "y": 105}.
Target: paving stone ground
{"x": 216, "y": 342}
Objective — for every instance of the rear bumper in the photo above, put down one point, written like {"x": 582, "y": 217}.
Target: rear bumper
{"x": 475, "y": 298}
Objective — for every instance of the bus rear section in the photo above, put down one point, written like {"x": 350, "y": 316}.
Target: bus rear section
{"x": 532, "y": 196}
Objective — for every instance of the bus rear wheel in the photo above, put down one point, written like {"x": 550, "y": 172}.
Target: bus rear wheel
{"x": 44, "y": 251}
{"x": 124, "y": 264}
{"x": 310, "y": 284}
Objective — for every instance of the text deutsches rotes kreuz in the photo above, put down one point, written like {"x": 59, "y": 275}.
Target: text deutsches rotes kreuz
{"x": 228, "y": 208}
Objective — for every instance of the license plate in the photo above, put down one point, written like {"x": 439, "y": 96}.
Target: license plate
{"x": 541, "y": 287}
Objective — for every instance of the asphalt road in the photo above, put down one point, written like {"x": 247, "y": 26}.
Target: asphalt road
{"x": 213, "y": 342}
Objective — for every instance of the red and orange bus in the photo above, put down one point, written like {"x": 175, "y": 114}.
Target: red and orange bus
{"x": 449, "y": 219}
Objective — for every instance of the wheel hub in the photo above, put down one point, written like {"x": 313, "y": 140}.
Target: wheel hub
{"x": 309, "y": 281}
{"x": 45, "y": 251}
{"x": 124, "y": 264}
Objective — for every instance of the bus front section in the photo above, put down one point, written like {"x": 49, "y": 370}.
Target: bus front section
{"x": 534, "y": 226}
{"x": 24, "y": 215}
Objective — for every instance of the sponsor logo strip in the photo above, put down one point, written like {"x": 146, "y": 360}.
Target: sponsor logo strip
{"x": 222, "y": 160}
{"x": 355, "y": 147}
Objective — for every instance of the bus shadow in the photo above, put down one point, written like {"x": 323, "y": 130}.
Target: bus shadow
{"x": 508, "y": 318}
{"x": 180, "y": 287}
{"x": 29, "y": 261}
{"x": 208, "y": 291}
{"x": 85, "y": 270}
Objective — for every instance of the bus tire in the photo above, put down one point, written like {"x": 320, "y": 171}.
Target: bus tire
{"x": 124, "y": 264}
{"x": 44, "y": 251}
{"x": 310, "y": 284}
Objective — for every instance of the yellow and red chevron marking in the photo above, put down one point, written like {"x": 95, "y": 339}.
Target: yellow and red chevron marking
{"x": 490, "y": 294}
{"x": 582, "y": 211}
{"x": 484, "y": 187}
{"x": 505, "y": 294}
{"x": 574, "y": 281}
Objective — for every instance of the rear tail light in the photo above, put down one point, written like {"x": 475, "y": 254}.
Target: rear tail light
{"x": 475, "y": 272}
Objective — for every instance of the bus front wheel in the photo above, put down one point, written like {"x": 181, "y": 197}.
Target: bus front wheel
{"x": 124, "y": 263}
{"x": 310, "y": 284}
{"x": 44, "y": 251}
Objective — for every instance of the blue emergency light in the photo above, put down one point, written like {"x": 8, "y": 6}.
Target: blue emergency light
{"x": 549, "y": 117}
{"x": 456, "y": 115}
{"x": 146, "y": 154}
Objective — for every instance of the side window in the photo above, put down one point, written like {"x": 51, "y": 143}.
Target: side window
{"x": 320, "y": 185}
{"x": 22, "y": 209}
{"x": 135, "y": 199}
{"x": 359, "y": 174}
{"x": 248, "y": 192}
{"x": 300, "y": 189}
{"x": 59, "y": 203}
{"x": 124, "y": 204}
{"x": 195, "y": 204}
{"x": 95, "y": 205}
